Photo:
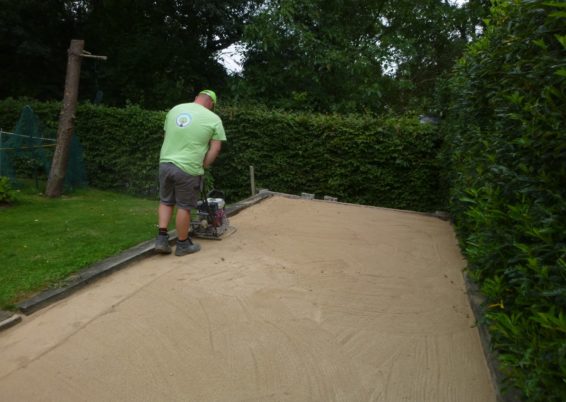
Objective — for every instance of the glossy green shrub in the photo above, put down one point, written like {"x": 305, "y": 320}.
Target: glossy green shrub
{"x": 7, "y": 193}
{"x": 506, "y": 137}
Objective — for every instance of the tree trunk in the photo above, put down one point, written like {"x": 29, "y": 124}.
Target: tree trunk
{"x": 56, "y": 179}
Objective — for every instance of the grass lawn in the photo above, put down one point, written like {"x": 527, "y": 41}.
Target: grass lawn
{"x": 43, "y": 241}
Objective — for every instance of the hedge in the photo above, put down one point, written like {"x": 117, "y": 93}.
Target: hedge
{"x": 119, "y": 144}
{"x": 506, "y": 138}
{"x": 389, "y": 162}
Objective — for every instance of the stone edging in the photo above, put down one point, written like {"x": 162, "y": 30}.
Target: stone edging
{"x": 117, "y": 262}
{"x": 8, "y": 319}
{"x": 102, "y": 269}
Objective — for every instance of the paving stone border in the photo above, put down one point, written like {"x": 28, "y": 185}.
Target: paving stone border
{"x": 112, "y": 264}
{"x": 145, "y": 249}
{"x": 86, "y": 276}
{"x": 8, "y": 319}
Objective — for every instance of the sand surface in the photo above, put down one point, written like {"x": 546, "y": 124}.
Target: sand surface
{"x": 307, "y": 301}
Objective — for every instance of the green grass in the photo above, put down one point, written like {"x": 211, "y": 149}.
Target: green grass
{"x": 43, "y": 241}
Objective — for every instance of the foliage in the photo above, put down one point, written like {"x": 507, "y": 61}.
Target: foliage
{"x": 26, "y": 152}
{"x": 7, "y": 193}
{"x": 352, "y": 56}
{"x": 162, "y": 53}
{"x": 34, "y": 36}
{"x": 329, "y": 56}
{"x": 121, "y": 147}
{"x": 389, "y": 162}
{"x": 158, "y": 52}
{"x": 57, "y": 237}
{"x": 507, "y": 149}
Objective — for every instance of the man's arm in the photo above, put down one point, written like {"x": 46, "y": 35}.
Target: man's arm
{"x": 213, "y": 151}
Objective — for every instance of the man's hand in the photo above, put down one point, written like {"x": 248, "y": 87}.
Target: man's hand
{"x": 213, "y": 151}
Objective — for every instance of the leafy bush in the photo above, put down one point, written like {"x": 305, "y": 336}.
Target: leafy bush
{"x": 507, "y": 148}
{"x": 7, "y": 194}
{"x": 389, "y": 162}
{"x": 121, "y": 146}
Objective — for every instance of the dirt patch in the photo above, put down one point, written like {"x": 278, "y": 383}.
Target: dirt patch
{"x": 307, "y": 301}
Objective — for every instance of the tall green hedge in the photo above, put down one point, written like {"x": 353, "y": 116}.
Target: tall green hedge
{"x": 389, "y": 162}
{"x": 506, "y": 134}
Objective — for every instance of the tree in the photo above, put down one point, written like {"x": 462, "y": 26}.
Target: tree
{"x": 34, "y": 36}
{"x": 305, "y": 55}
{"x": 351, "y": 55}
{"x": 159, "y": 52}
{"x": 424, "y": 40}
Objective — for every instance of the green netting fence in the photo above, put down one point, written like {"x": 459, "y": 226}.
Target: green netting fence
{"x": 27, "y": 150}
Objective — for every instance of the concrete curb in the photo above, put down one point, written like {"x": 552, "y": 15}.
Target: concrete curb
{"x": 86, "y": 276}
{"x": 236, "y": 208}
{"x": 115, "y": 263}
{"x": 438, "y": 214}
{"x": 106, "y": 267}
{"x": 8, "y": 319}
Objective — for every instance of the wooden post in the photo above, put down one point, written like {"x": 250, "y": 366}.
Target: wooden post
{"x": 252, "y": 180}
{"x": 1, "y": 132}
{"x": 66, "y": 120}
{"x": 56, "y": 179}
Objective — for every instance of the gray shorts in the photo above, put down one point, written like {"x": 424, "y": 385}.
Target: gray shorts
{"x": 177, "y": 187}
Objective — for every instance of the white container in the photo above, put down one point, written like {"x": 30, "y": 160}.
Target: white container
{"x": 218, "y": 201}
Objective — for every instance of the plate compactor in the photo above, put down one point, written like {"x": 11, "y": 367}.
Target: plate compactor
{"x": 210, "y": 220}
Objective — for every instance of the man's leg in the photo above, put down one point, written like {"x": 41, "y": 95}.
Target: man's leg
{"x": 184, "y": 244}
{"x": 165, "y": 209}
{"x": 186, "y": 197}
{"x": 182, "y": 223}
{"x": 164, "y": 213}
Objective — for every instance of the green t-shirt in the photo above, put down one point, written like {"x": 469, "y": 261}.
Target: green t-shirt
{"x": 189, "y": 127}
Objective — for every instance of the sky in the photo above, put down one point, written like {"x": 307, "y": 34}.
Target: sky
{"x": 231, "y": 58}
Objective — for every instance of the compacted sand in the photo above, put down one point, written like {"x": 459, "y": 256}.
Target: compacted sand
{"x": 307, "y": 301}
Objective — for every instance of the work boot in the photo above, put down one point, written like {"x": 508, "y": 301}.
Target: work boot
{"x": 162, "y": 244}
{"x": 186, "y": 247}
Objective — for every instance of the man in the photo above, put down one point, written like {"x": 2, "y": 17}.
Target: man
{"x": 193, "y": 138}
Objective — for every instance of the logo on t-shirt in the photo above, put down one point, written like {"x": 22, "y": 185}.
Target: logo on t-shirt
{"x": 184, "y": 119}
